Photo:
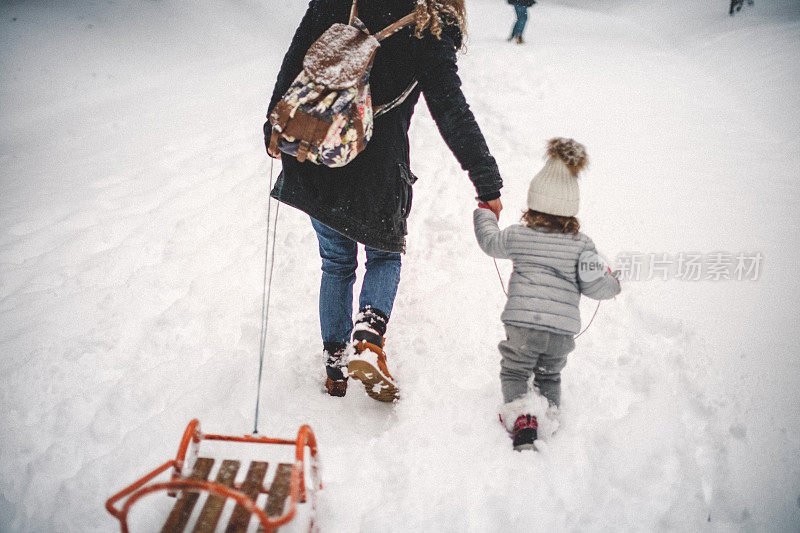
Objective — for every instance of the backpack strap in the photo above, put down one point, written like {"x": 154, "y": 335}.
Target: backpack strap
{"x": 388, "y": 31}
{"x": 385, "y": 32}
{"x": 394, "y": 28}
{"x": 385, "y": 108}
{"x": 355, "y": 21}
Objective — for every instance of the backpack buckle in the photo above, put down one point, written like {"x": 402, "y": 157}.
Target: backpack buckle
{"x": 302, "y": 151}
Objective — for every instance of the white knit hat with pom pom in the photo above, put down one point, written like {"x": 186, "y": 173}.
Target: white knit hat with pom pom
{"x": 554, "y": 190}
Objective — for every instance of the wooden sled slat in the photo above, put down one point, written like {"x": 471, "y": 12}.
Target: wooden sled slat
{"x": 209, "y": 516}
{"x": 182, "y": 510}
{"x": 251, "y": 487}
{"x": 279, "y": 490}
{"x": 189, "y": 486}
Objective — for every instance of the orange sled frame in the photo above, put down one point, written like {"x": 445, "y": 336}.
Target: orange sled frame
{"x": 181, "y": 482}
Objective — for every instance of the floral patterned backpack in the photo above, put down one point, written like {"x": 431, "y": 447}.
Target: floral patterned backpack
{"x": 326, "y": 115}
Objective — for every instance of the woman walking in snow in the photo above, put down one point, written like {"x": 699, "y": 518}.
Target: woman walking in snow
{"x": 369, "y": 199}
{"x": 554, "y": 263}
{"x": 521, "y": 11}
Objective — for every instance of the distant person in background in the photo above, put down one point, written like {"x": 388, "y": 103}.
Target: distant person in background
{"x": 736, "y": 6}
{"x": 521, "y": 10}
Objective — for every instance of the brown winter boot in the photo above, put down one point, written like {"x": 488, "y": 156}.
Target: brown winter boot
{"x": 369, "y": 364}
{"x": 369, "y": 367}
{"x": 335, "y": 357}
{"x": 336, "y": 388}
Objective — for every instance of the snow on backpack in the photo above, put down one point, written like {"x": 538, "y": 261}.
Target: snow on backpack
{"x": 326, "y": 115}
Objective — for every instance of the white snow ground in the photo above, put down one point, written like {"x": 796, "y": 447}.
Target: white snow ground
{"x": 132, "y": 225}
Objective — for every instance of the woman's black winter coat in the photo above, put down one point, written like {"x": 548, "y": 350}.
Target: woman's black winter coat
{"x": 369, "y": 199}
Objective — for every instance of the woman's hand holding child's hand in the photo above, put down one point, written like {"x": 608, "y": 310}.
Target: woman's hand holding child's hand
{"x": 495, "y": 206}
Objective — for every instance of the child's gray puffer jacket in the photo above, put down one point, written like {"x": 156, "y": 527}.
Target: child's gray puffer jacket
{"x": 544, "y": 289}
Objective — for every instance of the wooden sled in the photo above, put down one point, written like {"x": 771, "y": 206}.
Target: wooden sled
{"x": 288, "y": 482}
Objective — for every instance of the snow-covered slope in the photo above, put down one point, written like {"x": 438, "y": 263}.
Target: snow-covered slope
{"x": 132, "y": 222}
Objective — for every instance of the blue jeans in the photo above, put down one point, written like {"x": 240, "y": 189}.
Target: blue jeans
{"x": 339, "y": 260}
{"x": 522, "y": 19}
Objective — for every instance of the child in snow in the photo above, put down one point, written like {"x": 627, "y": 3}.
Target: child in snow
{"x": 553, "y": 265}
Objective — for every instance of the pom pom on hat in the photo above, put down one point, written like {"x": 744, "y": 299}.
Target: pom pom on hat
{"x": 569, "y": 151}
{"x": 554, "y": 189}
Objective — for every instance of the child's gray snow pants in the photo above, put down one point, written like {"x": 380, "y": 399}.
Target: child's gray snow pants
{"x": 529, "y": 351}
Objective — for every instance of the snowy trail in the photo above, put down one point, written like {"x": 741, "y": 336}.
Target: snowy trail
{"x": 131, "y": 256}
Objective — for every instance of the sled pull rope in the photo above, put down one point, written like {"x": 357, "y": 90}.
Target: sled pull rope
{"x": 596, "y": 309}
{"x": 502, "y": 285}
{"x": 500, "y": 277}
{"x": 269, "y": 266}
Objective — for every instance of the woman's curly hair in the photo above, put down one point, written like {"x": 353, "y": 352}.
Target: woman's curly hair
{"x": 431, "y": 14}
